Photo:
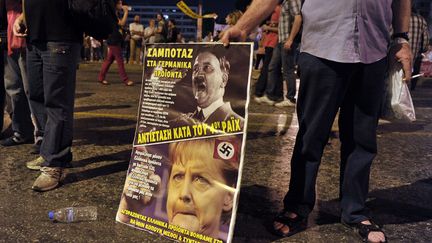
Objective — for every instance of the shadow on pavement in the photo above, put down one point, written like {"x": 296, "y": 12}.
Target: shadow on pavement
{"x": 255, "y": 214}
{"x": 103, "y": 131}
{"x": 100, "y": 107}
{"x": 96, "y": 172}
{"x": 106, "y": 157}
{"x": 399, "y": 205}
{"x": 83, "y": 95}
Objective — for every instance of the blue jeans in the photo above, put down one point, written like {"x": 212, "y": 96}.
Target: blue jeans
{"x": 16, "y": 85}
{"x": 325, "y": 87}
{"x": 282, "y": 68}
{"x": 51, "y": 70}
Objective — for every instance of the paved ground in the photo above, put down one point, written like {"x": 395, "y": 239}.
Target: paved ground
{"x": 400, "y": 192}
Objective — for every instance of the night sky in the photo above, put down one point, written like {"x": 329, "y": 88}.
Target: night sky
{"x": 220, "y": 7}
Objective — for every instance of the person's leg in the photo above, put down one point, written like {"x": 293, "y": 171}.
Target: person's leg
{"x": 139, "y": 53}
{"x": 132, "y": 51}
{"x": 358, "y": 123}
{"x": 261, "y": 84}
{"x": 38, "y": 130}
{"x": 59, "y": 74}
{"x": 35, "y": 89}
{"x": 288, "y": 68}
{"x": 21, "y": 118}
{"x": 322, "y": 87}
{"x": 106, "y": 64}
{"x": 117, "y": 52}
{"x": 416, "y": 70}
{"x": 259, "y": 57}
{"x": 274, "y": 89}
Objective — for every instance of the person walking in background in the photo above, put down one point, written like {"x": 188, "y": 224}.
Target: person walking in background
{"x": 53, "y": 50}
{"x": 137, "y": 33}
{"x": 418, "y": 40}
{"x": 149, "y": 32}
{"x": 114, "y": 42}
{"x": 283, "y": 55}
{"x": 172, "y": 31}
{"x": 338, "y": 71}
{"x": 16, "y": 83}
{"x": 96, "y": 49}
{"x": 270, "y": 30}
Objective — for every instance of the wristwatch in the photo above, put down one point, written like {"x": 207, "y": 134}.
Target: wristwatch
{"x": 403, "y": 35}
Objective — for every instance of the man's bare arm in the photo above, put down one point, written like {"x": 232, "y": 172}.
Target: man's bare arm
{"x": 401, "y": 52}
{"x": 256, "y": 13}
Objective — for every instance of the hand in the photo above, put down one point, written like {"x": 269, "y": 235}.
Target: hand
{"x": 287, "y": 45}
{"x": 265, "y": 27}
{"x": 125, "y": 8}
{"x": 234, "y": 34}
{"x": 402, "y": 53}
{"x": 19, "y": 29}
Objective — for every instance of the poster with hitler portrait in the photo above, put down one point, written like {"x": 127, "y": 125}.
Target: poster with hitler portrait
{"x": 184, "y": 174}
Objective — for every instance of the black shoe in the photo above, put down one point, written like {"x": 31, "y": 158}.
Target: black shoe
{"x": 36, "y": 147}
{"x": 14, "y": 140}
{"x": 293, "y": 100}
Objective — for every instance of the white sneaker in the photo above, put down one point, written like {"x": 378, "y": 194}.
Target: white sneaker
{"x": 285, "y": 103}
{"x": 264, "y": 99}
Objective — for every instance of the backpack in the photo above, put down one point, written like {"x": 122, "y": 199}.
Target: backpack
{"x": 96, "y": 18}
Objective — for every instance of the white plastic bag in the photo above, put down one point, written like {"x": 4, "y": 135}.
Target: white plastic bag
{"x": 398, "y": 105}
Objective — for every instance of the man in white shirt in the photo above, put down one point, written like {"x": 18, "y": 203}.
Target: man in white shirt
{"x": 137, "y": 33}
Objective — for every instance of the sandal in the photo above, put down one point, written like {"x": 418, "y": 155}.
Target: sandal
{"x": 363, "y": 230}
{"x": 295, "y": 225}
{"x": 129, "y": 83}
{"x": 104, "y": 82}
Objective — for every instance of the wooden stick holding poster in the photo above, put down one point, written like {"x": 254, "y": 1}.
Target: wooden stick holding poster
{"x": 184, "y": 175}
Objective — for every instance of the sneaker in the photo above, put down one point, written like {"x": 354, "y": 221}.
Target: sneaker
{"x": 285, "y": 103}
{"x": 36, "y": 163}
{"x": 264, "y": 99}
{"x": 48, "y": 179}
{"x": 14, "y": 140}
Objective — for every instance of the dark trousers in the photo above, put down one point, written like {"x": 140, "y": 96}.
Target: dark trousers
{"x": 259, "y": 58}
{"x": 324, "y": 87}
{"x": 261, "y": 84}
{"x": 16, "y": 85}
{"x": 416, "y": 70}
{"x": 51, "y": 68}
{"x": 281, "y": 68}
{"x": 114, "y": 53}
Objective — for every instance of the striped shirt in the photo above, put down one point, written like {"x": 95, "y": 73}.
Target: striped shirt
{"x": 290, "y": 8}
{"x": 418, "y": 34}
{"x": 347, "y": 31}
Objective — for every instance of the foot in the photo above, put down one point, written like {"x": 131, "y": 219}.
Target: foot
{"x": 285, "y": 103}
{"x": 264, "y": 99}
{"x": 48, "y": 179}
{"x": 104, "y": 82}
{"x": 374, "y": 236}
{"x": 129, "y": 83}
{"x": 35, "y": 164}
{"x": 288, "y": 223}
{"x": 14, "y": 140}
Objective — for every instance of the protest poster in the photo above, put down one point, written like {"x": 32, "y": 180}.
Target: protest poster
{"x": 184, "y": 174}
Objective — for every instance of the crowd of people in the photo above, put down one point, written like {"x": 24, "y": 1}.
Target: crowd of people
{"x": 341, "y": 72}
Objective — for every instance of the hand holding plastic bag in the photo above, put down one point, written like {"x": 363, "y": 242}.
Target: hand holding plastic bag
{"x": 398, "y": 104}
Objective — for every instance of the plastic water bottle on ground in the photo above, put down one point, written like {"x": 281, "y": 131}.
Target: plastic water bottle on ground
{"x": 73, "y": 214}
